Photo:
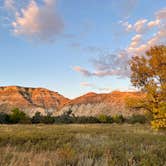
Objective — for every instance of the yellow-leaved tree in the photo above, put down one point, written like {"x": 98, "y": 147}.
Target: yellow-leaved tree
{"x": 148, "y": 73}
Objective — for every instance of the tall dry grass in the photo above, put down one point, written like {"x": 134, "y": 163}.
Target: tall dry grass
{"x": 81, "y": 145}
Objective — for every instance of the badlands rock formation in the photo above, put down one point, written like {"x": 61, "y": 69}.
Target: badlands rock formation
{"x": 93, "y": 104}
{"x": 31, "y": 100}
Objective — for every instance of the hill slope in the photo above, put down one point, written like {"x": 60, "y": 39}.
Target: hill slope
{"x": 31, "y": 100}
{"x": 93, "y": 104}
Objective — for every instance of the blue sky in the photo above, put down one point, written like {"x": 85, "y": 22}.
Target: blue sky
{"x": 76, "y": 46}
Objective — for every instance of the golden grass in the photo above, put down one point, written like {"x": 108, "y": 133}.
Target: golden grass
{"x": 81, "y": 145}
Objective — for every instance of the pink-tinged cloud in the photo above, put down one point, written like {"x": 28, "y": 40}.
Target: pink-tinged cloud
{"x": 82, "y": 71}
{"x": 118, "y": 64}
{"x": 161, "y": 14}
{"x": 128, "y": 26}
{"x": 135, "y": 40}
{"x": 38, "y": 22}
{"x": 87, "y": 84}
{"x": 102, "y": 69}
{"x": 139, "y": 26}
{"x": 143, "y": 25}
{"x": 153, "y": 23}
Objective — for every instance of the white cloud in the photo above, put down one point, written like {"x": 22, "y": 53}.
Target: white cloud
{"x": 38, "y": 22}
{"x": 137, "y": 45}
{"x": 153, "y": 23}
{"x": 161, "y": 14}
{"x": 117, "y": 64}
{"x": 135, "y": 40}
{"x": 108, "y": 65}
{"x": 128, "y": 27}
{"x": 139, "y": 26}
{"x": 143, "y": 25}
{"x": 158, "y": 38}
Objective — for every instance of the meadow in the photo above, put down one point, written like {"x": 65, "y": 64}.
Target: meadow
{"x": 82, "y": 145}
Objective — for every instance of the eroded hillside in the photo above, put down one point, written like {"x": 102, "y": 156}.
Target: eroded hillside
{"x": 31, "y": 100}
{"x": 93, "y": 104}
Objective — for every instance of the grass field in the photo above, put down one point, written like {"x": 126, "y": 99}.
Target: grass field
{"x": 82, "y": 145}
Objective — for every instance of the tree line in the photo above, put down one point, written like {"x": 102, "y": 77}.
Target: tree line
{"x": 19, "y": 117}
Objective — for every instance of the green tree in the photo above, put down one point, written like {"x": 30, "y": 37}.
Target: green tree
{"x": 148, "y": 73}
{"x": 4, "y": 118}
{"x": 18, "y": 116}
{"x": 37, "y": 118}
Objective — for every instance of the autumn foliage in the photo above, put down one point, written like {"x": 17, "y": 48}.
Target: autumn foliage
{"x": 148, "y": 73}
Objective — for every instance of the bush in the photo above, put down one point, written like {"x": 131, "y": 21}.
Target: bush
{"x": 18, "y": 116}
{"x": 25, "y": 120}
{"x": 85, "y": 119}
{"x": 105, "y": 119}
{"x": 37, "y": 118}
{"x": 4, "y": 118}
{"x": 63, "y": 119}
{"x": 137, "y": 119}
{"x": 118, "y": 119}
{"x": 48, "y": 119}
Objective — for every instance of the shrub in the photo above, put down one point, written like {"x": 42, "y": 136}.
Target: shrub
{"x": 105, "y": 119}
{"x": 4, "y": 118}
{"x": 37, "y": 118}
{"x": 25, "y": 120}
{"x": 18, "y": 116}
{"x": 48, "y": 119}
{"x": 63, "y": 119}
{"x": 137, "y": 119}
{"x": 85, "y": 119}
{"x": 149, "y": 116}
{"x": 118, "y": 119}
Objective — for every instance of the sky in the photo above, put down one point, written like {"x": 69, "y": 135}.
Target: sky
{"x": 76, "y": 46}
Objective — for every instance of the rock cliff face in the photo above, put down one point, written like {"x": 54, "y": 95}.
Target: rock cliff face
{"x": 93, "y": 104}
{"x": 31, "y": 100}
